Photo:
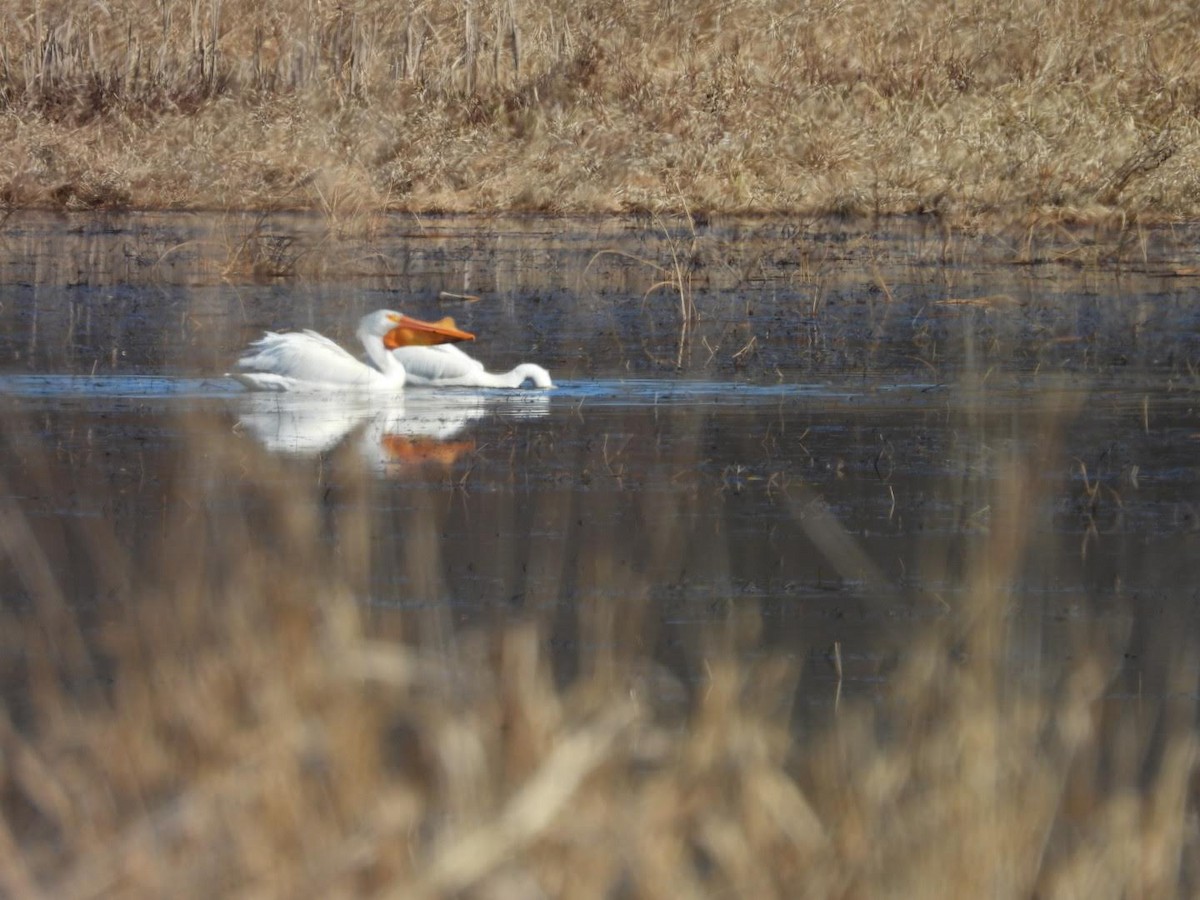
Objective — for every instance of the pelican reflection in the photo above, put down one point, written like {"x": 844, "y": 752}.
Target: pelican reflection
{"x": 391, "y": 432}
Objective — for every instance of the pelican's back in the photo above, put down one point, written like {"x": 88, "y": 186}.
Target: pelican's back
{"x": 445, "y": 365}
{"x": 295, "y": 360}
{"x": 439, "y": 364}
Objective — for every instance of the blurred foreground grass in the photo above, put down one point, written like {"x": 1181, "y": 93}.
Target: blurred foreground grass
{"x": 974, "y": 111}
{"x": 233, "y": 727}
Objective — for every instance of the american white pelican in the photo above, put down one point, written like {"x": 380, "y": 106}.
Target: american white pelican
{"x": 305, "y": 360}
{"x": 446, "y": 366}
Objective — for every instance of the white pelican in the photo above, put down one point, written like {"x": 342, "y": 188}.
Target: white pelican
{"x": 446, "y": 366}
{"x": 306, "y": 360}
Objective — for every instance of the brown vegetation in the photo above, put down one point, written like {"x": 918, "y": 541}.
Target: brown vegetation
{"x": 238, "y": 730}
{"x": 984, "y": 108}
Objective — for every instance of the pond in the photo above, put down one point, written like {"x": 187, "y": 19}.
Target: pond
{"x": 800, "y": 434}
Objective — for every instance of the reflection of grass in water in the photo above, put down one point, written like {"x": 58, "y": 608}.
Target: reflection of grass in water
{"x": 255, "y": 737}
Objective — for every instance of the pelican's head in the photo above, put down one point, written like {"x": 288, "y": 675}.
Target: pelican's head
{"x": 399, "y": 330}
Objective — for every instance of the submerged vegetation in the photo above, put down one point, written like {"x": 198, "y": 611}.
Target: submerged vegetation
{"x": 1059, "y": 110}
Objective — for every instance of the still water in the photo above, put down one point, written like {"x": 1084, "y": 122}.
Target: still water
{"x": 801, "y": 426}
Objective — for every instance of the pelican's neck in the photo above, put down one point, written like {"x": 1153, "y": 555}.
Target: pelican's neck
{"x": 518, "y": 376}
{"x": 387, "y": 365}
{"x": 535, "y": 373}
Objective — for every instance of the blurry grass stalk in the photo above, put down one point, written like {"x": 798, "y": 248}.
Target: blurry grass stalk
{"x": 251, "y": 737}
{"x": 1039, "y": 112}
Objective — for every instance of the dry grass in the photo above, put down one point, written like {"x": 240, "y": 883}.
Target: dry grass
{"x": 237, "y": 730}
{"x": 1058, "y": 110}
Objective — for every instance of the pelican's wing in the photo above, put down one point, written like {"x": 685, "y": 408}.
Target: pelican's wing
{"x": 439, "y": 364}
{"x": 304, "y": 358}
{"x": 264, "y": 381}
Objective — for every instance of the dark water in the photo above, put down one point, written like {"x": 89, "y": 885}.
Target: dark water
{"x": 815, "y": 458}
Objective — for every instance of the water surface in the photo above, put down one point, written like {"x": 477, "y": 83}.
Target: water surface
{"x": 819, "y": 451}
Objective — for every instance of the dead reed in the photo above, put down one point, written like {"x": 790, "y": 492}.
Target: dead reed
{"x": 1054, "y": 110}
{"x": 233, "y": 727}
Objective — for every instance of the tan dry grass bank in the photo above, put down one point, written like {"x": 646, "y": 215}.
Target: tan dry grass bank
{"x": 1063, "y": 108}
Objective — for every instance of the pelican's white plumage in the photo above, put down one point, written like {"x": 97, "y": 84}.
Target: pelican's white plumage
{"x": 447, "y": 366}
{"x": 305, "y": 360}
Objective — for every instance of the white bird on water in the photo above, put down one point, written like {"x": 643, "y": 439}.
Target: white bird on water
{"x": 447, "y": 366}
{"x": 305, "y": 360}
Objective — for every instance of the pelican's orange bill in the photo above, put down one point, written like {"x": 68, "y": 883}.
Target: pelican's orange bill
{"x": 415, "y": 333}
